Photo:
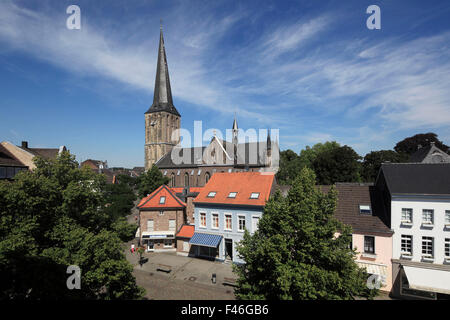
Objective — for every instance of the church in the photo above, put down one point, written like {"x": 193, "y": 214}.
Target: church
{"x": 162, "y": 122}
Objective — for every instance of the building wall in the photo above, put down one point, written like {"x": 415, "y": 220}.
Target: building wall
{"x": 233, "y": 234}
{"x": 383, "y": 254}
{"x": 439, "y": 232}
{"x": 161, "y": 223}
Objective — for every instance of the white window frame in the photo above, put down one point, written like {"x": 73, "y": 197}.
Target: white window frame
{"x": 153, "y": 225}
{"x": 427, "y": 217}
{"x": 257, "y": 225}
{"x": 200, "y": 220}
{"x": 225, "y": 221}
{"x": 174, "y": 224}
{"x": 405, "y": 238}
{"x": 447, "y": 249}
{"x": 374, "y": 248}
{"x": 211, "y": 196}
{"x": 239, "y": 222}
{"x": 365, "y": 207}
{"x": 215, "y": 214}
{"x": 232, "y": 195}
{"x": 162, "y": 200}
{"x": 427, "y": 244}
{"x": 447, "y": 218}
{"x": 254, "y": 197}
{"x": 410, "y": 213}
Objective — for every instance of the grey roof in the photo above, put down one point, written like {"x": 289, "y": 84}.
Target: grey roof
{"x": 162, "y": 96}
{"x": 249, "y": 154}
{"x": 428, "y": 155}
{"x": 417, "y": 178}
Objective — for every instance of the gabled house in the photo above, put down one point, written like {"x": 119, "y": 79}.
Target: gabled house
{"x": 360, "y": 206}
{"x": 429, "y": 154}
{"x": 101, "y": 167}
{"x": 161, "y": 214}
{"x": 227, "y": 205}
{"x": 416, "y": 197}
{"x": 25, "y": 154}
{"x": 9, "y": 165}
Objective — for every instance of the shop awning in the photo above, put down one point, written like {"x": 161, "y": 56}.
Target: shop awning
{"x": 375, "y": 268}
{"x": 205, "y": 239}
{"x": 428, "y": 279}
{"x": 158, "y": 234}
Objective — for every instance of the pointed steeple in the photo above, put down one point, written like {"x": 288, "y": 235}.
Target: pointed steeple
{"x": 235, "y": 126}
{"x": 162, "y": 98}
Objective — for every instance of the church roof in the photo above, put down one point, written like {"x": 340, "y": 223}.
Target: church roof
{"x": 162, "y": 96}
{"x": 429, "y": 154}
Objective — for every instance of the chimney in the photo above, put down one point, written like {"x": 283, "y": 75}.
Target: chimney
{"x": 25, "y": 144}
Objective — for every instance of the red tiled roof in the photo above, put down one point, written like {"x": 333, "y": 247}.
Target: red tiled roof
{"x": 244, "y": 183}
{"x": 152, "y": 200}
{"x": 186, "y": 231}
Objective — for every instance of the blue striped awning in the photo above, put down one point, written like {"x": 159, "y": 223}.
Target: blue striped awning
{"x": 205, "y": 239}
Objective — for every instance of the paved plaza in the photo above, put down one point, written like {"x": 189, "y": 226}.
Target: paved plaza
{"x": 188, "y": 279}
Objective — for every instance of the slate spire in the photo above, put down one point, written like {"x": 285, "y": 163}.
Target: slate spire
{"x": 162, "y": 98}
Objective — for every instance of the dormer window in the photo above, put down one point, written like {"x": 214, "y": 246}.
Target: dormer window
{"x": 212, "y": 194}
{"x": 232, "y": 195}
{"x": 365, "y": 209}
{"x": 162, "y": 200}
{"x": 254, "y": 195}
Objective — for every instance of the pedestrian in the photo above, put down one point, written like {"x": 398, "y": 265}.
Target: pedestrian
{"x": 132, "y": 248}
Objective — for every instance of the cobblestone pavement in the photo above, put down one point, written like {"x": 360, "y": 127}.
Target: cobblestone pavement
{"x": 189, "y": 278}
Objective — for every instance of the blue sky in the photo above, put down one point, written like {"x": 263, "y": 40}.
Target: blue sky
{"x": 308, "y": 68}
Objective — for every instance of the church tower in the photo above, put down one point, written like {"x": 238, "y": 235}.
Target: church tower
{"x": 162, "y": 118}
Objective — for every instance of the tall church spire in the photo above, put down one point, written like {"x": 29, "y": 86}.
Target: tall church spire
{"x": 162, "y": 98}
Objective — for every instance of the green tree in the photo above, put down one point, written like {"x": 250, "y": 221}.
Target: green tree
{"x": 150, "y": 181}
{"x": 53, "y": 217}
{"x": 294, "y": 254}
{"x": 338, "y": 165}
{"x": 373, "y": 160}
{"x": 309, "y": 154}
{"x": 411, "y": 144}
{"x": 289, "y": 167}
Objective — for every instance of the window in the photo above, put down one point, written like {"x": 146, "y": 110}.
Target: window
{"x": 172, "y": 180}
{"x": 254, "y": 195}
{"x": 162, "y": 200}
{"x": 202, "y": 219}
{"x": 199, "y": 171}
{"x": 427, "y": 247}
{"x": 186, "y": 179}
{"x": 365, "y": 209}
{"x": 369, "y": 244}
{"x": 255, "y": 222}
{"x": 427, "y": 216}
{"x": 228, "y": 222}
{"x": 447, "y": 217}
{"x": 172, "y": 224}
{"x": 212, "y": 194}
{"x": 161, "y": 213}
{"x": 407, "y": 215}
{"x": 165, "y": 172}
{"x": 150, "y": 225}
{"x": 167, "y": 243}
{"x": 215, "y": 221}
{"x": 241, "y": 223}
{"x": 232, "y": 195}
{"x": 447, "y": 248}
{"x": 2, "y": 172}
{"x": 207, "y": 176}
{"x": 406, "y": 245}
{"x": 178, "y": 172}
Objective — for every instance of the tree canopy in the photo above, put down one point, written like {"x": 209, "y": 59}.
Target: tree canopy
{"x": 150, "y": 181}
{"x": 411, "y": 144}
{"x": 54, "y": 217}
{"x": 340, "y": 164}
{"x": 295, "y": 253}
{"x": 373, "y": 160}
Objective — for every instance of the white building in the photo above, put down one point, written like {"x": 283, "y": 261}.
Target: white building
{"x": 417, "y": 200}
